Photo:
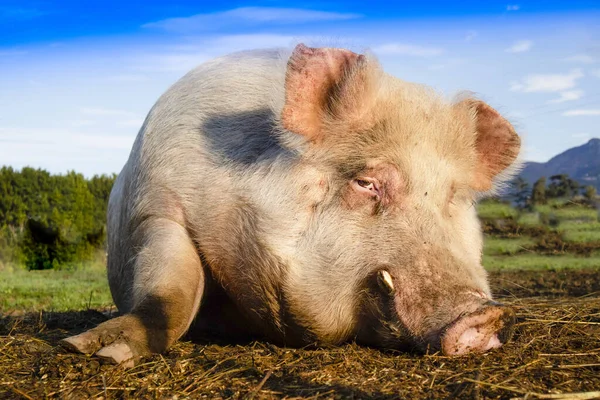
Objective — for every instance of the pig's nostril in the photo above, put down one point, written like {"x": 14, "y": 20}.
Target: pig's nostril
{"x": 485, "y": 329}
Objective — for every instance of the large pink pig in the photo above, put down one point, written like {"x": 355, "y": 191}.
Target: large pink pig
{"x": 305, "y": 197}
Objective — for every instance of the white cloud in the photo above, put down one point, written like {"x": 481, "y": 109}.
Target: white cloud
{"x": 78, "y": 123}
{"x": 103, "y": 112}
{"x": 516, "y": 86}
{"x": 581, "y": 58}
{"x": 247, "y": 16}
{"x": 471, "y": 35}
{"x": 407, "y": 50}
{"x": 252, "y": 41}
{"x": 520, "y": 46}
{"x": 103, "y": 141}
{"x": 547, "y": 82}
{"x": 582, "y": 112}
{"x": 127, "y": 78}
{"x": 570, "y": 95}
{"x": 120, "y": 118}
{"x": 65, "y": 138}
{"x": 184, "y": 57}
{"x": 170, "y": 62}
{"x": 581, "y": 136}
{"x": 513, "y": 7}
{"x": 450, "y": 63}
{"x": 131, "y": 123}
{"x": 60, "y": 150}
{"x": 12, "y": 52}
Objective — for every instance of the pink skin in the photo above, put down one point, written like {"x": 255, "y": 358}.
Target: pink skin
{"x": 483, "y": 324}
{"x": 480, "y": 331}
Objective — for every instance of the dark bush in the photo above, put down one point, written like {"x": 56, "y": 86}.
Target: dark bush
{"x": 49, "y": 221}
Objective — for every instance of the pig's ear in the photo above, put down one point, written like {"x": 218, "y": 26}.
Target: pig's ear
{"x": 496, "y": 143}
{"x": 323, "y": 85}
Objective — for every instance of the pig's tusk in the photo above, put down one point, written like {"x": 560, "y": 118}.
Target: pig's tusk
{"x": 385, "y": 279}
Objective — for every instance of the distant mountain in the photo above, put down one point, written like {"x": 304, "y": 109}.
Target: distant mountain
{"x": 580, "y": 163}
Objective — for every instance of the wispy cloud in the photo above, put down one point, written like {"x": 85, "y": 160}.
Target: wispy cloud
{"x": 247, "y": 16}
{"x": 581, "y": 137}
{"x": 252, "y": 41}
{"x": 60, "y": 137}
{"x": 127, "y": 78}
{"x": 520, "y": 46}
{"x": 547, "y": 82}
{"x": 471, "y": 35}
{"x": 121, "y": 118}
{"x": 103, "y": 141}
{"x": 513, "y": 7}
{"x": 450, "y": 63}
{"x": 12, "y": 52}
{"x": 173, "y": 62}
{"x": 183, "y": 57}
{"x": 102, "y": 112}
{"x": 78, "y": 123}
{"x": 570, "y": 95}
{"x": 131, "y": 123}
{"x": 582, "y": 112}
{"x": 581, "y": 59}
{"x": 407, "y": 50}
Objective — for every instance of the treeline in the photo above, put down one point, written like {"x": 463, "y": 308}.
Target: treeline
{"x": 557, "y": 186}
{"x": 50, "y": 221}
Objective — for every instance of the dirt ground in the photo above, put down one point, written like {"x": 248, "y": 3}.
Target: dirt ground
{"x": 555, "y": 354}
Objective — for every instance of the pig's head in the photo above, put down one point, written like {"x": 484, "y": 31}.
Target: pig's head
{"x": 402, "y": 170}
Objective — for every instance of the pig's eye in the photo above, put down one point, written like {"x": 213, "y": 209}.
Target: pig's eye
{"x": 365, "y": 184}
{"x": 368, "y": 186}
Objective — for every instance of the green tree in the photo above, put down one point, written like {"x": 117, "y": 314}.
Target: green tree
{"x": 590, "y": 193}
{"x": 538, "y": 193}
{"x": 47, "y": 221}
{"x": 519, "y": 192}
{"x": 562, "y": 186}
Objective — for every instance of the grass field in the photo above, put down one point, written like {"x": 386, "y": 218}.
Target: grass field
{"x": 50, "y": 290}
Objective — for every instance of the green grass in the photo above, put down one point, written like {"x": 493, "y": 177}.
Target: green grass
{"x": 579, "y": 226}
{"x": 582, "y": 232}
{"x": 576, "y": 213}
{"x": 535, "y": 261}
{"x": 494, "y": 210}
{"x": 582, "y": 236}
{"x": 529, "y": 219}
{"x": 497, "y": 246}
{"x": 52, "y": 290}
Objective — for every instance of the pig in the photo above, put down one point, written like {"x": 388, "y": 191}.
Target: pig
{"x": 305, "y": 197}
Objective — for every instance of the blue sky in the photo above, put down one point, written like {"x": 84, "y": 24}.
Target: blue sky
{"x": 78, "y": 77}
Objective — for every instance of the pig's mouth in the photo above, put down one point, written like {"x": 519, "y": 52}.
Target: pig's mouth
{"x": 487, "y": 328}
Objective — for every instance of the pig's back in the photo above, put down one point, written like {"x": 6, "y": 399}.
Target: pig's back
{"x": 220, "y": 116}
{"x": 218, "y": 93}
{"x": 197, "y": 143}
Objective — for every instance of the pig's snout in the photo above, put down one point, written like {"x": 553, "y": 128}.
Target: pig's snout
{"x": 487, "y": 328}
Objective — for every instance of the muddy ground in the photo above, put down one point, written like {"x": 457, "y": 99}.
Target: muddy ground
{"x": 555, "y": 354}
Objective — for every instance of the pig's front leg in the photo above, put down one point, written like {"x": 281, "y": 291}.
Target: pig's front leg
{"x": 165, "y": 296}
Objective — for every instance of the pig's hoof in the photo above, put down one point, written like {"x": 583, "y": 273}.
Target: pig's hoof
{"x": 89, "y": 343}
{"x": 107, "y": 341}
{"x": 118, "y": 353}
{"x": 86, "y": 343}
